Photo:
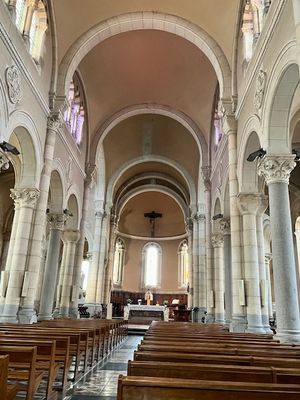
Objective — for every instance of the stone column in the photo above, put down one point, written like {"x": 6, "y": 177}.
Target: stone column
{"x": 238, "y": 323}
{"x": 276, "y": 170}
{"x": 91, "y": 292}
{"x": 60, "y": 279}
{"x": 268, "y": 258}
{"x": 202, "y": 263}
{"x": 88, "y": 184}
{"x": 195, "y": 261}
{"x": 262, "y": 265}
{"x": 225, "y": 230}
{"x": 108, "y": 283}
{"x": 209, "y": 270}
{"x": 25, "y": 201}
{"x": 103, "y": 258}
{"x": 71, "y": 238}
{"x": 35, "y": 248}
{"x": 249, "y": 204}
{"x": 12, "y": 8}
{"x": 296, "y": 9}
{"x": 56, "y": 224}
{"x": 218, "y": 243}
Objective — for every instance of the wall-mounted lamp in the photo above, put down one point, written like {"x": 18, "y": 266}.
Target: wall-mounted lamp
{"x": 297, "y": 153}
{"x": 217, "y": 216}
{"x": 67, "y": 212}
{"x": 256, "y": 154}
{"x": 9, "y": 148}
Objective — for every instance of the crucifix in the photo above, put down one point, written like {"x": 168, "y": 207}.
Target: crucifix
{"x": 152, "y": 217}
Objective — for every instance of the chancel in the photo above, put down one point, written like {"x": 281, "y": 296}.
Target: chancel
{"x": 149, "y": 145}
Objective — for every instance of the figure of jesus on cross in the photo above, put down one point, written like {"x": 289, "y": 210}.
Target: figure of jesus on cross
{"x": 152, "y": 217}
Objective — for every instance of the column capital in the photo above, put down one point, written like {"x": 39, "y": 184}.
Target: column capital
{"x": 70, "y": 235}
{"x": 4, "y": 162}
{"x": 55, "y": 121}
{"x": 276, "y": 168}
{"x": 25, "y": 197}
{"x": 225, "y": 226}
{"x": 57, "y": 221}
{"x": 217, "y": 240}
{"x": 251, "y": 203}
{"x": 90, "y": 175}
{"x": 229, "y": 120}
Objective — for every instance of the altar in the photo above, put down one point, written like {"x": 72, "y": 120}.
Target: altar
{"x": 149, "y": 313}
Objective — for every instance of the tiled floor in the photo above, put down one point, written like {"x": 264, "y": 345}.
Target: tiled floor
{"x": 102, "y": 383}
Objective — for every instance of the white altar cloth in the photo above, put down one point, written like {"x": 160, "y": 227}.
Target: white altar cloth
{"x": 145, "y": 309}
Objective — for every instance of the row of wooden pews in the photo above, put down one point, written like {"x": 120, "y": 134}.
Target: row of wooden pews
{"x": 47, "y": 355}
{"x": 200, "y": 361}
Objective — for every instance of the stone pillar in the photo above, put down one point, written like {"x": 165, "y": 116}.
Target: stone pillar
{"x": 201, "y": 262}
{"x": 190, "y": 270}
{"x": 268, "y": 258}
{"x": 91, "y": 293}
{"x": 209, "y": 267}
{"x": 56, "y": 224}
{"x": 103, "y": 257}
{"x": 296, "y": 9}
{"x": 218, "y": 243}
{"x": 249, "y": 203}
{"x": 35, "y": 248}
{"x": 225, "y": 230}
{"x": 60, "y": 279}
{"x": 108, "y": 282}
{"x": 12, "y": 8}
{"x": 262, "y": 265}
{"x": 88, "y": 184}
{"x": 276, "y": 169}
{"x": 195, "y": 261}
{"x": 238, "y": 322}
{"x": 71, "y": 238}
{"x": 25, "y": 201}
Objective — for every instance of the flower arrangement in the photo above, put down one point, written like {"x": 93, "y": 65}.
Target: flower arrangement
{"x": 166, "y": 302}
{"x": 129, "y": 301}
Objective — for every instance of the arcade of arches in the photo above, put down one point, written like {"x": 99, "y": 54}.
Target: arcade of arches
{"x": 125, "y": 134}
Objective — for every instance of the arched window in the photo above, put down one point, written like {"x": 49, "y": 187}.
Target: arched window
{"x": 218, "y": 119}
{"x": 74, "y": 115}
{"x": 37, "y": 30}
{"x": 183, "y": 264}
{"x": 118, "y": 262}
{"x": 20, "y": 14}
{"x": 151, "y": 265}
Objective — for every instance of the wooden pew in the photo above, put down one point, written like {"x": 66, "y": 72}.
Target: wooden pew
{"x": 22, "y": 367}
{"x": 149, "y": 388}
{"x": 213, "y": 372}
{"x": 7, "y": 391}
{"x": 154, "y": 356}
{"x": 222, "y": 349}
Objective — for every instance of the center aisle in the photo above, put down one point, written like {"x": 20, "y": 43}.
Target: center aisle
{"x": 102, "y": 383}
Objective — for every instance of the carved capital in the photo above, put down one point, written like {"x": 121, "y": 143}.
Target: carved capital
{"x": 251, "y": 203}
{"x": 25, "y": 197}
{"x": 13, "y": 82}
{"x": 91, "y": 175}
{"x": 229, "y": 120}
{"x": 217, "y": 240}
{"x": 54, "y": 121}
{"x": 225, "y": 226}
{"x": 268, "y": 258}
{"x": 71, "y": 235}
{"x": 57, "y": 221}
{"x": 276, "y": 169}
{"x": 100, "y": 214}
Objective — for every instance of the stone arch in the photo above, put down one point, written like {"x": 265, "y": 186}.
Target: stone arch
{"x": 23, "y": 134}
{"x": 56, "y": 193}
{"x": 145, "y": 20}
{"x": 247, "y": 171}
{"x": 73, "y": 211}
{"x": 281, "y": 86}
{"x": 123, "y": 168}
{"x": 159, "y": 109}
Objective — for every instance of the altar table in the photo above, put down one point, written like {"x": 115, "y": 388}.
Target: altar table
{"x": 156, "y": 313}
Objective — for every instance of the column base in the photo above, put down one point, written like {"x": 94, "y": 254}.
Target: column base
{"x": 27, "y": 315}
{"x": 238, "y": 323}
{"x": 45, "y": 317}
{"x": 266, "y": 326}
{"x": 288, "y": 336}
{"x": 219, "y": 319}
{"x": 9, "y": 314}
{"x": 63, "y": 312}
